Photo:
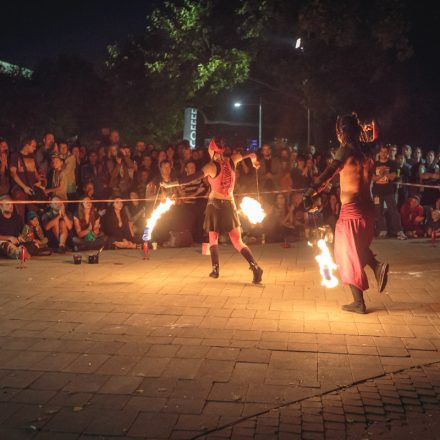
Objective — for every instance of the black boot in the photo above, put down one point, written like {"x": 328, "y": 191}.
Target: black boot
{"x": 256, "y": 270}
{"x": 358, "y": 305}
{"x": 215, "y": 271}
{"x": 215, "y": 261}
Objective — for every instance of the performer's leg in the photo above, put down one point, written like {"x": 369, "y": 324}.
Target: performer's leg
{"x": 213, "y": 249}
{"x": 235, "y": 236}
{"x": 358, "y": 305}
{"x": 380, "y": 271}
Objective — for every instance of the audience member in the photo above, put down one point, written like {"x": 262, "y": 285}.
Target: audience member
{"x": 413, "y": 215}
{"x": 87, "y": 227}
{"x": 58, "y": 225}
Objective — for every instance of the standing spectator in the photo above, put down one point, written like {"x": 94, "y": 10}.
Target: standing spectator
{"x": 193, "y": 205}
{"x": 413, "y": 215}
{"x": 139, "y": 151}
{"x": 4, "y": 168}
{"x": 44, "y": 153}
{"x": 403, "y": 173}
{"x": 430, "y": 175}
{"x": 24, "y": 174}
{"x": 121, "y": 178}
{"x": 299, "y": 174}
{"x": 116, "y": 226}
{"x": 393, "y": 151}
{"x": 69, "y": 169}
{"x": 10, "y": 230}
{"x": 58, "y": 224}
{"x": 87, "y": 227}
{"x": 407, "y": 152}
{"x": 384, "y": 193}
{"x": 93, "y": 171}
{"x": 269, "y": 171}
{"x": 114, "y": 138}
{"x": 415, "y": 168}
{"x": 56, "y": 179}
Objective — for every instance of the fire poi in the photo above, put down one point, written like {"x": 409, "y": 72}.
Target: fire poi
{"x": 252, "y": 209}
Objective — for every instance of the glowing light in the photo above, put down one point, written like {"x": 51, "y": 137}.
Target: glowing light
{"x": 155, "y": 215}
{"x": 252, "y": 209}
{"x": 298, "y": 43}
{"x": 326, "y": 266}
{"x": 237, "y": 104}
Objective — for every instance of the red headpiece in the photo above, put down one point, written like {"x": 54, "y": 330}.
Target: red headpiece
{"x": 214, "y": 147}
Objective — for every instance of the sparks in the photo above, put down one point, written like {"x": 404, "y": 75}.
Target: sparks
{"x": 252, "y": 209}
{"x": 326, "y": 266}
{"x": 155, "y": 215}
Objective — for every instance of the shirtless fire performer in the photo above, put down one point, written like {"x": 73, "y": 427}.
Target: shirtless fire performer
{"x": 221, "y": 214}
{"x": 354, "y": 160}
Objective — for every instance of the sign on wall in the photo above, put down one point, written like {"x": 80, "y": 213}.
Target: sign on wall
{"x": 190, "y": 126}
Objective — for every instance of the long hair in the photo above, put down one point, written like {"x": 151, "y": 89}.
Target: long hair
{"x": 349, "y": 129}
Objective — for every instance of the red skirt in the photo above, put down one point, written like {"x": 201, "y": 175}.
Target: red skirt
{"x": 353, "y": 236}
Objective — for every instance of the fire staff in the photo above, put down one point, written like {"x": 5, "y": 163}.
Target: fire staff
{"x": 221, "y": 214}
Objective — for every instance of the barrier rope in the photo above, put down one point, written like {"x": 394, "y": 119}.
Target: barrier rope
{"x": 154, "y": 199}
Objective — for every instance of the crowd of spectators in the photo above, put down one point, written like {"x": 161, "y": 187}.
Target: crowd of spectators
{"x": 59, "y": 185}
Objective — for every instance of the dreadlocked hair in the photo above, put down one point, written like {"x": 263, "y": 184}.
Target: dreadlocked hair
{"x": 349, "y": 129}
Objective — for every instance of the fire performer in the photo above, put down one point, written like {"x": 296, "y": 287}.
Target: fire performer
{"x": 221, "y": 214}
{"x": 354, "y": 161}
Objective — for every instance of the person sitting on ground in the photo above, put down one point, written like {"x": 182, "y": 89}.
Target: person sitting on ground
{"x": 33, "y": 237}
{"x": 116, "y": 226}
{"x": 314, "y": 218}
{"x": 136, "y": 213}
{"x": 434, "y": 224}
{"x": 87, "y": 225}
{"x": 10, "y": 229}
{"x": 4, "y": 168}
{"x": 413, "y": 215}
{"x": 58, "y": 224}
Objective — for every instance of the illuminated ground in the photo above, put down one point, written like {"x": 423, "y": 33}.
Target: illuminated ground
{"x": 131, "y": 348}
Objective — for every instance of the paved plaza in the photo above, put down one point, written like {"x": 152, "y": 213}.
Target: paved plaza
{"x": 156, "y": 349}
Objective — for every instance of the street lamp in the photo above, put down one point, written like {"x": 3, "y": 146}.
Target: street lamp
{"x": 238, "y": 104}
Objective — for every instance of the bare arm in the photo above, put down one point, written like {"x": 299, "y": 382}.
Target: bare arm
{"x": 208, "y": 170}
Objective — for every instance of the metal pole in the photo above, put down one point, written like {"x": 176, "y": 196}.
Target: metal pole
{"x": 308, "y": 127}
{"x": 260, "y": 123}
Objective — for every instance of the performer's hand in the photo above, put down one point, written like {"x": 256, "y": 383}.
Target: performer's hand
{"x": 164, "y": 184}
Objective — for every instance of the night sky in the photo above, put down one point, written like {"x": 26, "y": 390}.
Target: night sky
{"x": 32, "y": 30}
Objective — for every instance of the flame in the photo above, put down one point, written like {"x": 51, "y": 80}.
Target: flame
{"x": 155, "y": 215}
{"x": 252, "y": 209}
{"x": 326, "y": 266}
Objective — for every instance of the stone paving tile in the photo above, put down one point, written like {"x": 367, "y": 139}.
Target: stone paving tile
{"x": 162, "y": 341}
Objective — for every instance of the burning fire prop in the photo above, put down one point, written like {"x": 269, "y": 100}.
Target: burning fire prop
{"x": 252, "y": 210}
{"x": 155, "y": 215}
{"x": 326, "y": 265}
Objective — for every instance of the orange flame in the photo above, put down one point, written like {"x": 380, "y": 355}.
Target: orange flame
{"x": 326, "y": 266}
{"x": 252, "y": 210}
{"x": 156, "y": 214}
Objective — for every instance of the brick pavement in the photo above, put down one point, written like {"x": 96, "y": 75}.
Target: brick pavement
{"x": 156, "y": 349}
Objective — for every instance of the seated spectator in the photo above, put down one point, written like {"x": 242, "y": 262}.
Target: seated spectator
{"x": 4, "y": 168}
{"x": 10, "y": 230}
{"x": 87, "y": 227}
{"x": 33, "y": 237}
{"x": 116, "y": 226}
{"x": 142, "y": 179}
{"x": 299, "y": 174}
{"x": 24, "y": 175}
{"x": 294, "y": 219}
{"x": 313, "y": 218}
{"x": 139, "y": 150}
{"x": 58, "y": 224}
{"x": 275, "y": 225}
{"x": 136, "y": 213}
{"x": 413, "y": 215}
{"x": 434, "y": 224}
{"x": 57, "y": 179}
{"x": 93, "y": 171}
